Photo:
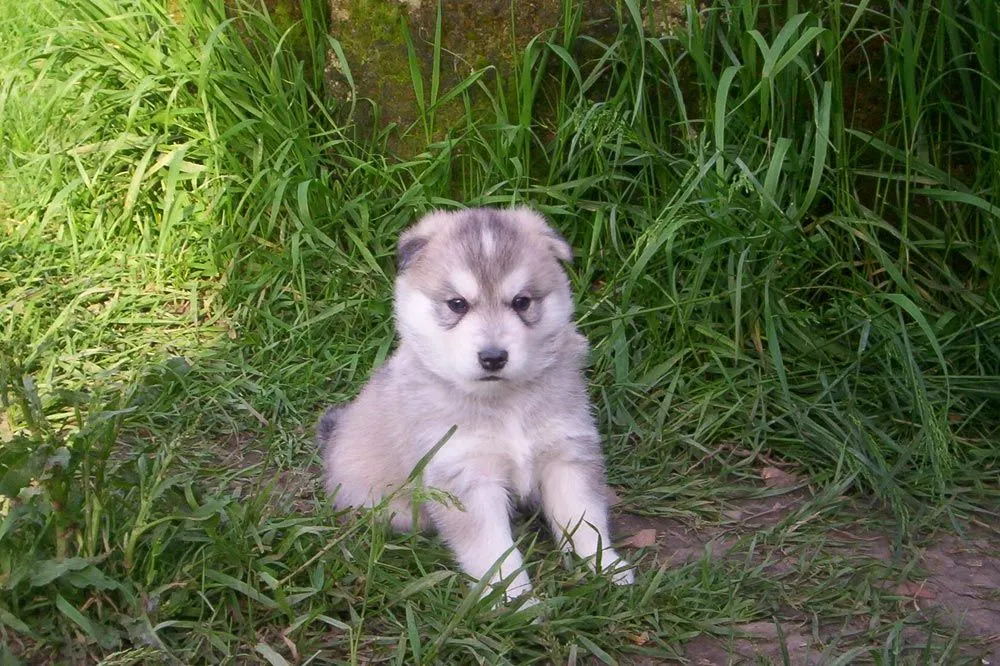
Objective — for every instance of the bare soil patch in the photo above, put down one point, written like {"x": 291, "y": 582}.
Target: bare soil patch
{"x": 951, "y": 581}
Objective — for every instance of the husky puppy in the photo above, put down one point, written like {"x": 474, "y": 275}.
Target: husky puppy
{"x": 486, "y": 343}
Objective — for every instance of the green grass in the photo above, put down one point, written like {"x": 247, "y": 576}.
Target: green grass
{"x": 787, "y": 224}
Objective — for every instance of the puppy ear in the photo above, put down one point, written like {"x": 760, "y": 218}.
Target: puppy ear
{"x": 407, "y": 250}
{"x": 416, "y": 237}
{"x": 537, "y": 223}
{"x": 560, "y": 248}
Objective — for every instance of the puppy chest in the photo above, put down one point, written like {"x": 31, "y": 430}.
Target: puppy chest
{"x": 519, "y": 454}
{"x": 503, "y": 456}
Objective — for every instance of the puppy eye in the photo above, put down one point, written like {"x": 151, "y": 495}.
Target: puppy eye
{"x": 520, "y": 303}
{"x": 458, "y": 305}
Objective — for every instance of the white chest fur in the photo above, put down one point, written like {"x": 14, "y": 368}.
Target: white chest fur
{"x": 488, "y": 453}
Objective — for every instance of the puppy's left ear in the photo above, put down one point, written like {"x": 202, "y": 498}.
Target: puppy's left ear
{"x": 560, "y": 248}
{"x": 535, "y": 221}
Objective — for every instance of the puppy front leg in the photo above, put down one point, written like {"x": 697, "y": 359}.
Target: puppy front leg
{"x": 578, "y": 515}
{"x": 481, "y": 535}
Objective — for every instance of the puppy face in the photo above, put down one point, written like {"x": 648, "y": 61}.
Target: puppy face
{"x": 481, "y": 296}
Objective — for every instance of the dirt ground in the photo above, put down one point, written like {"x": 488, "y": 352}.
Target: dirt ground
{"x": 952, "y": 580}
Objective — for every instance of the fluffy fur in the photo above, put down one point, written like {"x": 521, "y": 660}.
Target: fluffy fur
{"x": 486, "y": 343}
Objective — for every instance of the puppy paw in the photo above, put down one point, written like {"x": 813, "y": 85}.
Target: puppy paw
{"x": 520, "y": 587}
{"x": 518, "y": 593}
{"x": 623, "y": 576}
{"x": 622, "y": 573}
{"x": 526, "y": 608}
{"x": 525, "y": 601}
{"x": 531, "y": 606}
{"x": 526, "y": 604}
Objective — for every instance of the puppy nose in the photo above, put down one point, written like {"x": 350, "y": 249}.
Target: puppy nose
{"x": 492, "y": 358}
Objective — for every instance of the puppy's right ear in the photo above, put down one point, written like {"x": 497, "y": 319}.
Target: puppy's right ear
{"x": 416, "y": 237}
{"x": 409, "y": 246}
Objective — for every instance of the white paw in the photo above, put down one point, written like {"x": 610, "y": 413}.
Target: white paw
{"x": 622, "y": 573}
{"x": 527, "y": 606}
{"x": 519, "y": 604}
{"x": 528, "y": 602}
{"x": 519, "y": 587}
{"x": 623, "y": 576}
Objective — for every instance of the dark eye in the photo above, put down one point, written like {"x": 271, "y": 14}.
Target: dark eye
{"x": 520, "y": 303}
{"x": 458, "y": 305}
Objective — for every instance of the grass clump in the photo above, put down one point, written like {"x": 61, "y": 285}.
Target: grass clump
{"x": 786, "y": 218}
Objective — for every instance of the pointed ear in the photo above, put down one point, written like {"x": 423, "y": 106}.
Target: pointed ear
{"x": 407, "y": 250}
{"x": 417, "y": 236}
{"x": 560, "y": 248}
{"x": 537, "y": 223}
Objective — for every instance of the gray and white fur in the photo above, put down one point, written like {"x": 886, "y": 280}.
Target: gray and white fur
{"x": 486, "y": 343}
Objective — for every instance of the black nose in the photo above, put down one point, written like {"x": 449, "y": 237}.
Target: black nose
{"x": 493, "y": 359}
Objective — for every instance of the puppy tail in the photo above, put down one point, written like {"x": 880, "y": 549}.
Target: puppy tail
{"x": 327, "y": 424}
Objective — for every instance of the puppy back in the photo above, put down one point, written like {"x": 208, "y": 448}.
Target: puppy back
{"x": 327, "y": 424}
